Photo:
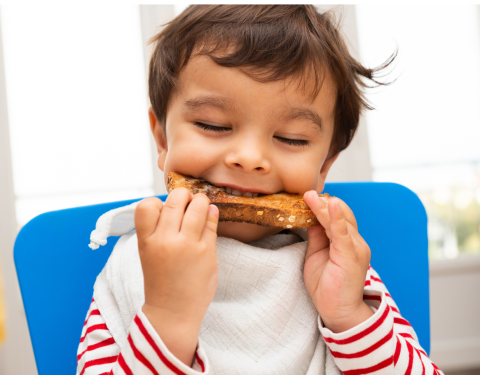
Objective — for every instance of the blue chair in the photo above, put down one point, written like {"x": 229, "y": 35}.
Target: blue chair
{"x": 56, "y": 268}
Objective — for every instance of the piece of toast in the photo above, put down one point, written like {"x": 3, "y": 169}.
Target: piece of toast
{"x": 282, "y": 210}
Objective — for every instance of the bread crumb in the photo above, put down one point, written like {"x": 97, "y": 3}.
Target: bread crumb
{"x": 259, "y": 212}
{"x": 291, "y": 219}
{"x": 289, "y": 226}
{"x": 280, "y": 219}
{"x": 278, "y": 215}
{"x": 309, "y": 220}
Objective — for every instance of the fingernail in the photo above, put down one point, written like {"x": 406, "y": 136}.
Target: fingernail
{"x": 313, "y": 194}
{"x": 212, "y": 210}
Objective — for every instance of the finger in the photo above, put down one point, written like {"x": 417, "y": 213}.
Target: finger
{"x": 361, "y": 247}
{"x": 195, "y": 216}
{"x": 319, "y": 206}
{"x": 146, "y": 216}
{"x": 174, "y": 210}
{"x": 341, "y": 237}
{"x": 210, "y": 230}
{"x": 348, "y": 213}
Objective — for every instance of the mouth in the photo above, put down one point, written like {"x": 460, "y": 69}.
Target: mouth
{"x": 239, "y": 191}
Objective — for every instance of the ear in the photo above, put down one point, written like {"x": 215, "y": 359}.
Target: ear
{"x": 160, "y": 139}
{"x": 324, "y": 171}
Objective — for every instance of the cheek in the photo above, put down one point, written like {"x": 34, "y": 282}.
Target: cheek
{"x": 187, "y": 147}
{"x": 301, "y": 175}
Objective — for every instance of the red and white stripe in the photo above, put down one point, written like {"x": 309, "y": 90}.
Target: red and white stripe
{"x": 384, "y": 344}
{"x": 143, "y": 353}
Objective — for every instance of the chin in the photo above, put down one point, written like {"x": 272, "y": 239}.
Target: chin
{"x": 244, "y": 232}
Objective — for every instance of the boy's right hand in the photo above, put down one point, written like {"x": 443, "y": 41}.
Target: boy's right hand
{"x": 178, "y": 255}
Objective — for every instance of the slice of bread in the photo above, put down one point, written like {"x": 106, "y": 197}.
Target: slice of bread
{"x": 281, "y": 210}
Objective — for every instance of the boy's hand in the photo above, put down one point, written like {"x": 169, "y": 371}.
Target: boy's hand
{"x": 335, "y": 272}
{"x": 179, "y": 261}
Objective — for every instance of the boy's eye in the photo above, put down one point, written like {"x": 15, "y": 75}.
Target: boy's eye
{"x": 294, "y": 142}
{"x": 210, "y": 127}
{"x": 219, "y": 129}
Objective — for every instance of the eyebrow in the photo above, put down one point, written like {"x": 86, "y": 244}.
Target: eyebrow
{"x": 227, "y": 104}
{"x": 222, "y": 103}
{"x": 304, "y": 114}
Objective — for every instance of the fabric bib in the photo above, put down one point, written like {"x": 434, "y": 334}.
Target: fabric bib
{"x": 261, "y": 320}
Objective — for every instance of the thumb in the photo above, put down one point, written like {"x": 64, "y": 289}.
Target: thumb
{"x": 146, "y": 217}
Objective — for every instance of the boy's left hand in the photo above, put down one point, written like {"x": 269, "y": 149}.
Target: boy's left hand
{"x": 335, "y": 271}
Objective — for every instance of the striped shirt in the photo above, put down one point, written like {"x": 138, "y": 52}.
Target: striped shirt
{"x": 384, "y": 344}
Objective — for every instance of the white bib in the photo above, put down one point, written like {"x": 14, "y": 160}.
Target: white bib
{"x": 261, "y": 320}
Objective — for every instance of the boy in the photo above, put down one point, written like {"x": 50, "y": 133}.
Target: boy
{"x": 259, "y": 99}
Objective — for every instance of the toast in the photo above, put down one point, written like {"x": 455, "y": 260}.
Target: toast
{"x": 282, "y": 210}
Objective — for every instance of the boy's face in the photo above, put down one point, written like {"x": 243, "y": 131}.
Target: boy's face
{"x": 251, "y": 122}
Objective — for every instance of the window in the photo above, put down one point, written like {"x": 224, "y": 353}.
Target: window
{"x": 424, "y": 132}
{"x": 77, "y": 101}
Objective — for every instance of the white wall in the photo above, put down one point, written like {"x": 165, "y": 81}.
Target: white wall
{"x": 354, "y": 163}
{"x": 455, "y": 313}
{"x": 16, "y": 354}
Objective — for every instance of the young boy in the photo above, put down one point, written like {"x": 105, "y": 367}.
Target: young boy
{"x": 258, "y": 99}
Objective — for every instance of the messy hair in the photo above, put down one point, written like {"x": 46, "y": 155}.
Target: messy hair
{"x": 268, "y": 43}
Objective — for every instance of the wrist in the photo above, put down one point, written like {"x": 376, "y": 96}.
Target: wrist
{"x": 339, "y": 325}
{"x": 178, "y": 333}
{"x": 167, "y": 317}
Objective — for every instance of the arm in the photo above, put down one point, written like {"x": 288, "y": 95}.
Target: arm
{"x": 385, "y": 343}
{"x": 143, "y": 353}
{"x": 359, "y": 320}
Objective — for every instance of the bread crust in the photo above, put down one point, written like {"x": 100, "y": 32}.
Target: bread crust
{"x": 282, "y": 210}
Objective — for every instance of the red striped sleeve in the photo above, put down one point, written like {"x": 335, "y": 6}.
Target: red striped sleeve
{"x": 379, "y": 366}
{"x": 141, "y": 357}
{"x": 369, "y": 350}
{"x": 98, "y": 362}
{"x": 93, "y": 328}
{"x": 101, "y": 344}
{"x": 384, "y": 344}
{"x": 362, "y": 333}
{"x": 93, "y": 312}
{"x": 99, "y": 354}
{"x": 155, "y": 347}
{"x": 123, "y": 365}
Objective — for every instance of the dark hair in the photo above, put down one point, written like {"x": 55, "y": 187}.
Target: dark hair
{"x": 270, "y": 42}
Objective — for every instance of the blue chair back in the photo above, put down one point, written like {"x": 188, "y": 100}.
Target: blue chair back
{"x": 56, "y": 268}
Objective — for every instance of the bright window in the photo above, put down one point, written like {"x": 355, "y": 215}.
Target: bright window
{"x": 425, "y": 130}
{"x": 77, "y": 101}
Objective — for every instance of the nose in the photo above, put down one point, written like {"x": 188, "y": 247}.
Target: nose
{"x": 248, "y": 155}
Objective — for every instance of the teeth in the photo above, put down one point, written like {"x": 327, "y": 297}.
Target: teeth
{"x": 237, "y": 192}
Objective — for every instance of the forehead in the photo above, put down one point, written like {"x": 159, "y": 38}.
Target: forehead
{"x": 203, "y": 82}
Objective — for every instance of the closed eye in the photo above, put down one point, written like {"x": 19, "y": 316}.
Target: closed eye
{"x": 294, "y": 142}
{"x": 219, "y": 129}
{"x": 211, "y": 128}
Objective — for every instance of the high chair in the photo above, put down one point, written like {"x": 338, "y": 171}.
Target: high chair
{"x": 56, "y": 268}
